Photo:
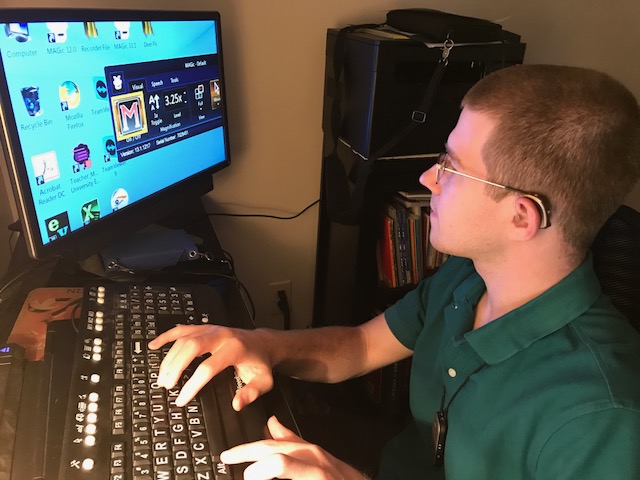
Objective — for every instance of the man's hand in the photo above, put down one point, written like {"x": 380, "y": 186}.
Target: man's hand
{"x": 242, "y": 349}
{"x": 288, "y": 456}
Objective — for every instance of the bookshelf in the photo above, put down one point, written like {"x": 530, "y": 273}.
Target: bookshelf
{"x": 350, "y": 284}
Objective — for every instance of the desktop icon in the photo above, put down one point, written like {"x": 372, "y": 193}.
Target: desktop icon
{"x": 57, "y": 226}
{"x": 122, "y": 30}
{"x": 57, "y": 32}
{"x": 119, "y": 199}
{"x": 69, "y": 95}
{"x": 101, "y": 88}
{"x": 109, "y": 148}
{"x": 31, "y": 97}
{"x": 90, "y": 29}
{"x": 17, "y": 31}
{"x": 81, "y": 155}
{"x": 45, "y": 167}
{"x": 90, "y": 211}
{"x": 147, "y": 28}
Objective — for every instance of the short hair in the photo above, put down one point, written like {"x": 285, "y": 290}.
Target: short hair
{"x": 570, "y": 134}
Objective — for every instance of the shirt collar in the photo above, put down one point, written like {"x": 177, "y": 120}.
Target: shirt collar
{"x": 545, "y": 314}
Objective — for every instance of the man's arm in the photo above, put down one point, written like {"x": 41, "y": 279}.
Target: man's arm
{"x": 334, "y": 354}
{"x": 329, "y": 354}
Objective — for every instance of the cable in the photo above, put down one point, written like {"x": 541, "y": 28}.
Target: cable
{"x": 283, "y": 305}
{"x": 30, "y": 271}
{"x": 244, "y": 291}
{"x": 277, "y": 217}
{"x": 74, "y": 320}
{"x": 245, "y": 296}
{"x": 229, "y": 259}
{"x": 13, "y": 232}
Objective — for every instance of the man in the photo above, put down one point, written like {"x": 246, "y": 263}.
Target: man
{"x": 523, "y": 366}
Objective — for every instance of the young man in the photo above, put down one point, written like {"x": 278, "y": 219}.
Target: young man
{"x": 521, "y": 367}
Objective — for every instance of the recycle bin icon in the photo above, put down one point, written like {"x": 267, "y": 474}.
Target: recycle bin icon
{"x": 31, "y": 97}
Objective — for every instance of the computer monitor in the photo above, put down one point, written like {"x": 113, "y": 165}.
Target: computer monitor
{"x": 110, "y": 118}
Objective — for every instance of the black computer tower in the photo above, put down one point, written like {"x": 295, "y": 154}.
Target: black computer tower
{"x": 384, "y": 78}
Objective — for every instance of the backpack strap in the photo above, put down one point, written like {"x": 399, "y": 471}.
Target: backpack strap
{"x": 344, "y": 192}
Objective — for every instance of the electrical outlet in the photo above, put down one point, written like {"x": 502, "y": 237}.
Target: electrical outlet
{"x": 274, "y": 287}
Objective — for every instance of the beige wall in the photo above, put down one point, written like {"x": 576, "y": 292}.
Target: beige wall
{"x": 275, "y": 65}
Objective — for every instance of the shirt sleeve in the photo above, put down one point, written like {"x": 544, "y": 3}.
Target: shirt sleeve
{"x": 407, "y": 317}
{"x": 597, "y": 445}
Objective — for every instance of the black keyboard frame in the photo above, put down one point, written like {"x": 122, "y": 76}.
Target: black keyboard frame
{"x": 120, "y": 317}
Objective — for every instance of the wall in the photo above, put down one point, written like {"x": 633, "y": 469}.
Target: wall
{"x": 275, "y": 63}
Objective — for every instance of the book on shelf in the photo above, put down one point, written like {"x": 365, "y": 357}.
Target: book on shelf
{"x": 402, "y": 237}
{"x": 405, "y": 255}
{"x": 415, "y": 242}
{"x": 386, "y": 253}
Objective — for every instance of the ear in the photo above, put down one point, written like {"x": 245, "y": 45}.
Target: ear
{"x": 526, "y": 219}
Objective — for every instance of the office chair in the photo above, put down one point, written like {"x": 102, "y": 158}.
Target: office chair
{"x": 616, "y": 260}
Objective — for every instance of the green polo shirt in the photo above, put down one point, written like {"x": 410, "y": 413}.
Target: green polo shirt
{"x": 557, "y": 395}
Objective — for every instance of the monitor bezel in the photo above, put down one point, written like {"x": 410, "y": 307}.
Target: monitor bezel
{"x": 92, "y": 238}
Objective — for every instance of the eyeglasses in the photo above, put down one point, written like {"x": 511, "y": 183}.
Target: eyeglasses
{"x": 536, "y": 198}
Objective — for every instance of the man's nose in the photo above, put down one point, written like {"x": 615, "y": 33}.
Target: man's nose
{"x": 428, "y": 178}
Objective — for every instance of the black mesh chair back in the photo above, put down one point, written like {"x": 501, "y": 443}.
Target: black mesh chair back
{"x": 616, "y": 260}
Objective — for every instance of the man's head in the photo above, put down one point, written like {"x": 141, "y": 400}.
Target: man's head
{"x": 568, "y": 133}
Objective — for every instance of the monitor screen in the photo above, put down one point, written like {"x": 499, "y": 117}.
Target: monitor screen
{"x": 109, "y": 117}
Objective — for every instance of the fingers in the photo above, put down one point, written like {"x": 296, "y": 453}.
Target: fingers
{"x": 253, "y": 452}
{"x": 284, "y": 441}
{"x": 226, "y": 348}
{"x": 279, "y": 431}
{"x": 191, "y": 341}
{"x": 281, "y": 466}
{"x": 171, "y": 335}
{"x": 208, "y": 369}
{"x": 285, "y": 456}
{"x": 260, "y": 384}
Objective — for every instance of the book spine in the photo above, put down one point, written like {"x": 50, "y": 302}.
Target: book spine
{"x": 404, "y": 277}
{"x": 386, "y": 253}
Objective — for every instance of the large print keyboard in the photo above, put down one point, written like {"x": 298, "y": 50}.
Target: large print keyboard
{"x": 120, "y": 424}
